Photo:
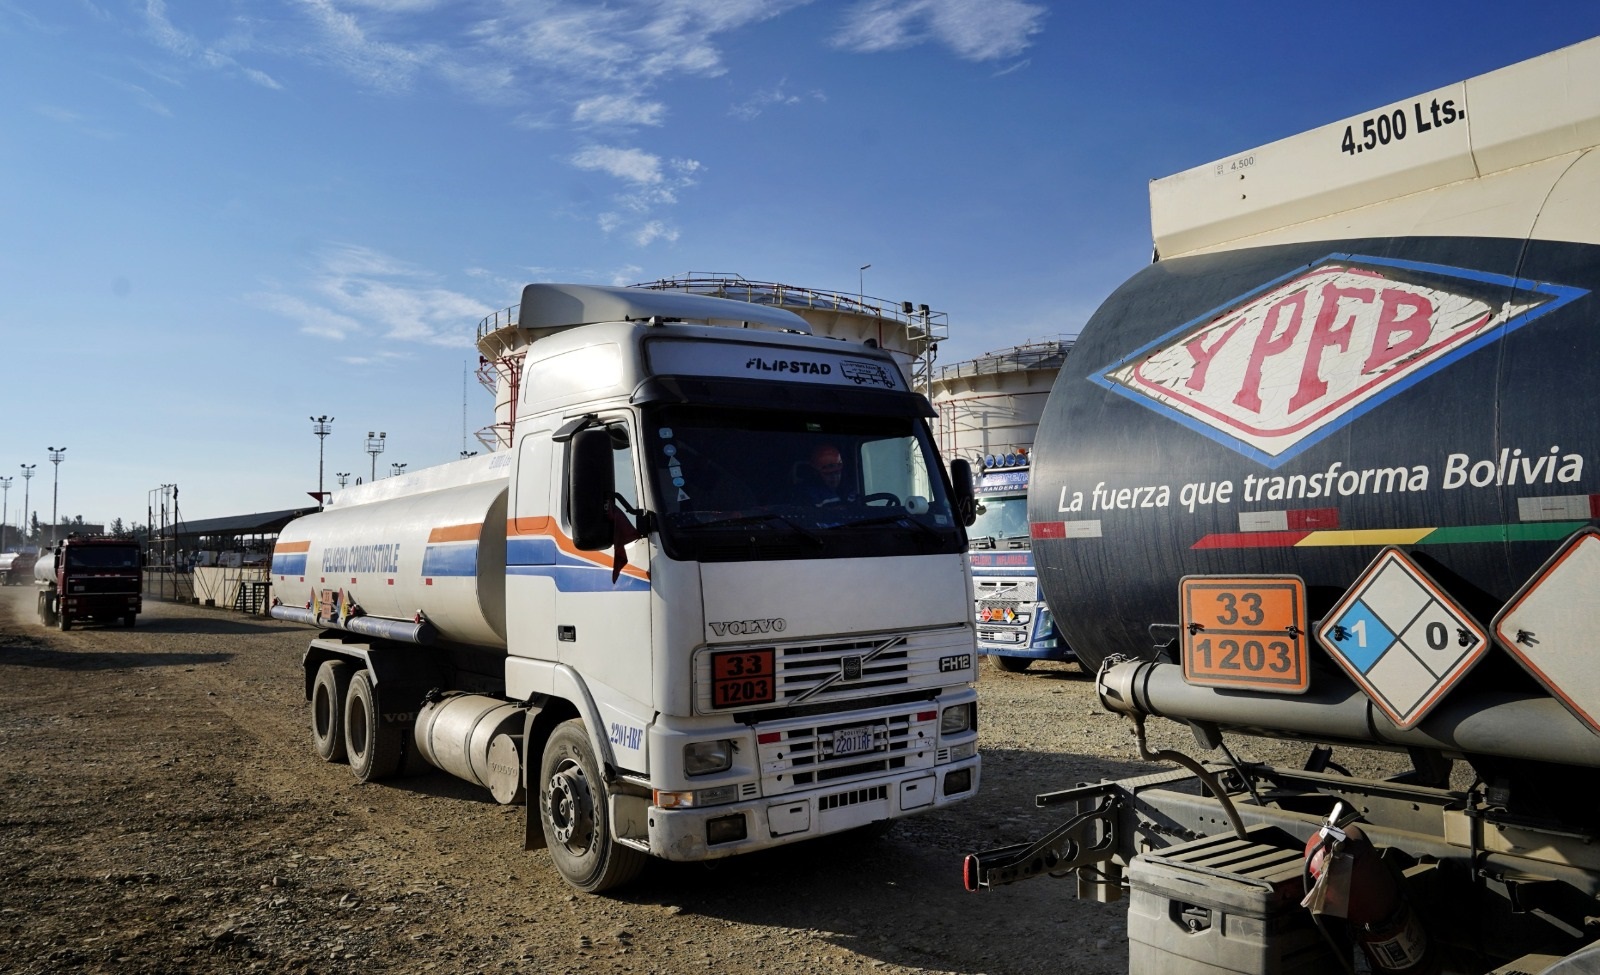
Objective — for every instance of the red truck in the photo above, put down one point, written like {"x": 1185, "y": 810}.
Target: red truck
{"x": 93, "y": 577}
{"x": 16, "y": 568}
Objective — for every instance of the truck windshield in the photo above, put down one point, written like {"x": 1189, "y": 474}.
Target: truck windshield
{"x": 102, "y": 557}
{"x": 738, "y": 485}
{"x": 1000, "y": 519}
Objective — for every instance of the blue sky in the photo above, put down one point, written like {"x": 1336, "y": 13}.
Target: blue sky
{"x": 223, "y": 217}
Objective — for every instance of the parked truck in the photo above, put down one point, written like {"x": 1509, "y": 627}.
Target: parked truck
{"x": 1014, "y": 624}
{"x": 16, "y": 568}
{"x": 97, "y": 578}
{"x": 644, "y": 617}
{"x": 1326, "y": 472}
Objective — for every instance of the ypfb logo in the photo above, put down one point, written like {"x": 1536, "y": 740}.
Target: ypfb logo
{"x": 1278, "y": 369}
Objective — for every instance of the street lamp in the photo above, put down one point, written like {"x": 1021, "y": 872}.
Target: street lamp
{"x": 375, "y": 447}
{"x": 321, "y": 426}
{"x": 5, "y": 509}
{"x": 396, "y": 470}
{"x": 27, "y": 476}
{"x": 57, "y": 455}
{"x": 861, "y": 286}
{"x": 342, "y": 477}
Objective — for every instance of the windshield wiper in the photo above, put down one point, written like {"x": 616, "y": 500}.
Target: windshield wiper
{"x": 764, "y": 516}
{"x": 901, "y": 518}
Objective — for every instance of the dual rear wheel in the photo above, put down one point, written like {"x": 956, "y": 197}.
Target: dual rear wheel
{"x": 347, "y": 725}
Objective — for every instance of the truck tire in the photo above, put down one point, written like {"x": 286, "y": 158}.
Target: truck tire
{"x": 374, "y": 747}
{"x": 327, "y": 709}
{"x": 1011, "y": 665}
{"x": 576, "y": 818}
{"x": 64, "y": 621}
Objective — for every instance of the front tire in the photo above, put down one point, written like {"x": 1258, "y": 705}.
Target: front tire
{"x": 375, "y": 747}
{"x": 327, "y": 709}
{"x": 576, "y": 818}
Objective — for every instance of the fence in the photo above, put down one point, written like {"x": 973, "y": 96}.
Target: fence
{"x": 247, "y": 589}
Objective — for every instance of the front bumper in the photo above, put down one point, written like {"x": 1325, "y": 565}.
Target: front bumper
{"x": 687, "y": 834}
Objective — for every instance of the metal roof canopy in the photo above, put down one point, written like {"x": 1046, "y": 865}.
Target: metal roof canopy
{"x": 264, "y": 523}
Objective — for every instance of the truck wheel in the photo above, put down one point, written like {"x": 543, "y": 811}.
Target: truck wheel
{"x": 374, "y": 747}
{"x": 64, "y": 621}
{"x": 1011, "y": 665}
{"x": 327, "y": 709}
{"x": 576, "y": 819}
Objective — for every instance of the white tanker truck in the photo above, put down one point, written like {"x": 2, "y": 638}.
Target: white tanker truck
{"x": 1327, "y": 471}
{"x": 649, "y": 616}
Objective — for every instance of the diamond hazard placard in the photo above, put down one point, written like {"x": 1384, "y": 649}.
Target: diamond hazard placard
{"x": 1401, "y": 637}
{"x": 1550, "y": 624}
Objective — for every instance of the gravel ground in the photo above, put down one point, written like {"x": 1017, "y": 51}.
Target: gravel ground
{"x": 162, "y": 811}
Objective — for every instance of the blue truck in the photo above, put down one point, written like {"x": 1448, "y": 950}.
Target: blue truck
{"x": 1014, "y": 624}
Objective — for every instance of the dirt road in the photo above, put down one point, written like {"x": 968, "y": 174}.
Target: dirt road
{"x": 162, "y": 811}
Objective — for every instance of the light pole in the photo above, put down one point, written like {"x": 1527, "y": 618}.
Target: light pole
{"x": 27, "y": 477}
{"x": 395, "y": 470}
{"x": 57, "y": 454}
{"x": 5, "y": 510}
{"x": 321, "y": 426}
{"x": 342, "y": 477}
{"x": 861, "y": 286}
{"x": 374, "y": 447}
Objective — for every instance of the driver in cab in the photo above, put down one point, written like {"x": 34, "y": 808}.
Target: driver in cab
{"x": 827, "y": 486}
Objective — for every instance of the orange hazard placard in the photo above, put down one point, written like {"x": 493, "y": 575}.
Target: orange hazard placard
{"x": 1245, "y": 632}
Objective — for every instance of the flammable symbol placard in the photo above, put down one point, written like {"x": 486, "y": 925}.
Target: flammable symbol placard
{"x": 1550, "y": 626}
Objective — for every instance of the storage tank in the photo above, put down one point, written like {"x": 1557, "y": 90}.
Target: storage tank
{"x": 991, "y": 404}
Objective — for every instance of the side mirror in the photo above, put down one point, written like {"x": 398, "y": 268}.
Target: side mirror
{"x": 591, "y": 481}
{"x": 966, "y": 500}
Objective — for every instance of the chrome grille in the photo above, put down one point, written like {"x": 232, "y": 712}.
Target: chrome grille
{"x": 1026, "y": 591}
{"x": 819, "y": 672}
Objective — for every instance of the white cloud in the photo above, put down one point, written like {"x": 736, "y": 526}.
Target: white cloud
{"x": 652, "y": 231}
{"x": 378, "y": 64}
{"x": 566, "y": 66}
{"x": 976, "y": 30}
{"x": 147, "y": 99}
{"x": 360, "y": 293}
{"x": 618, "y": 110}
{"x": 779, "y": 95}
{"x": 314, "y": 319}
{"x": 398, "y": 6}
{"x": 161, "y": 29}
{"x": 633, "y": 165}
{"x": 189, "y": 48}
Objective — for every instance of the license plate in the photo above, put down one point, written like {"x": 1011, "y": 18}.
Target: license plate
{"x": 853, "y": 741}
{"x": 1245, "y": 632}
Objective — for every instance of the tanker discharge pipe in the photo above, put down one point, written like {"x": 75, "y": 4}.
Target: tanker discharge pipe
{"x": 1494, "y": 724}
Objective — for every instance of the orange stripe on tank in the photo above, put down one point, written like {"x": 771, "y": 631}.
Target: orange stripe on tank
{"x": 455, "y": 533}
{"x": 290, "y": 548}
{"x": 545, "y": 525}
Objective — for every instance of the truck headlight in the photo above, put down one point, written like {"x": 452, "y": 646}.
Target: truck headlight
{"x": 956, "y": 719}
{"x": 705, "y": 757}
